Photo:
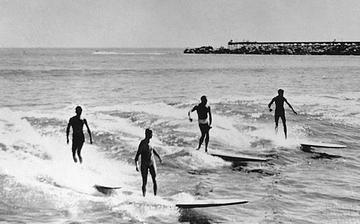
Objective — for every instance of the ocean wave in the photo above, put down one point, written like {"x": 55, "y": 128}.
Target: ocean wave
{"x": 127, "y": 53}
{"x": 105, "y": 53}
{"x": 337, "y": 108}
{"x": 192, "y": 159}
{"x": 143, "y": 53}
{"x": 49, "y": 156}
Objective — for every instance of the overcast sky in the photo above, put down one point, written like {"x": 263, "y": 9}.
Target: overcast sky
{"x": 173, "y": 23}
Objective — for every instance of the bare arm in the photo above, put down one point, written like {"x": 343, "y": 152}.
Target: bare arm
{"x": 271, "y": 102}
{"x": 157, "y": 154}
{"x": 210, "y": 117}
{"x": 68, "y": 131}
{"x": 88, "y": 129}
{"x": 190, "y": 119}
{"x": 192, "y": 110}
{"x": 290, "y": 106}
{"x": 137, "y": 156}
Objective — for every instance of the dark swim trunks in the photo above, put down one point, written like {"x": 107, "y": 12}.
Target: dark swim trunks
{"x": 278, "y": 114}
{"x": 204, "y": 127}
{"x": 78, "y": 140}
{"x": 145, "y": 170}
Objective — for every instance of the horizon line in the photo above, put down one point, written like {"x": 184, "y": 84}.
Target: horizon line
{"x": 73, "y": 47}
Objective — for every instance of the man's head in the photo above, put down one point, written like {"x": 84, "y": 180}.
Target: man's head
{"x": 148, "y": 133}
{"x": 203, "y": 99}
{"x": 78, "y": 110}
{"x": 281, "y": 92}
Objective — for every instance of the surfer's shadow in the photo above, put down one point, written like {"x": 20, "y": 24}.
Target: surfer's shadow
{"x": 261, "y": 172}
{"x": 201, "y": 171}
{"x": 245, "y": 167}
{"x": 319, "y": 155}
{"x": 195, "y": 216}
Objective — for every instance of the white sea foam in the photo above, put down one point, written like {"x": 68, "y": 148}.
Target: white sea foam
{"x": 127, "y": 53}
{"x": 31, "y": 157}
{"x": 337, "y": 107}
{"x": 223, "y": 130}
{"x": 67, "y": 183}
{"x": 324, "y": 90}
{"x": 105, "y": 53}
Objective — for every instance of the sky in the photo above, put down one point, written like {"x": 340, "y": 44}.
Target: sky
{"x": 174, "y": 23}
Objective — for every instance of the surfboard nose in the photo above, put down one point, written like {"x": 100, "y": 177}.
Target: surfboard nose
{"x": 105, "y": 190}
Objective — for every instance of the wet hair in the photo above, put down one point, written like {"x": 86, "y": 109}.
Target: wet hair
{"x": 280, "y": 91}
{"x": 78, "y": 109}
{"x": 148, "y": 132}
{"x": 203, "y": 98}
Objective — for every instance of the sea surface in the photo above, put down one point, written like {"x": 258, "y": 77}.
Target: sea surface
{"x": 124, "y": 91}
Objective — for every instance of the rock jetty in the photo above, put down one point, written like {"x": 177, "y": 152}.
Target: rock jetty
{"x": 282, "y": 48}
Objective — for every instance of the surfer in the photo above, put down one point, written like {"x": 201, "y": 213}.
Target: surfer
{"x": 147, "y": 161}
{"x": 78, "y": 137}
{"x": 279, "y": 109}
{"x": 204, "y": 125}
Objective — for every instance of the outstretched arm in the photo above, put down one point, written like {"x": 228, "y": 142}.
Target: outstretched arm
{"x": 192, "y": 110}
{"x": 157, "y": 154}
{"x": 67, "y": 132}
{"x": 88, "y": 129}
{"x": 271, "y": 102}
{"x": 290, "y": 106}
{"x": 190, "y": 119}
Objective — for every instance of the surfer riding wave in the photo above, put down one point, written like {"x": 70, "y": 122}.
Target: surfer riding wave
{"x": 147, "y": 161}
{"x": 78, "y": 137}
{"x": 203, "y": 110}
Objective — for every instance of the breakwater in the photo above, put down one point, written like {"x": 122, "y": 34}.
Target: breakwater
{"x": 284, "y": 48}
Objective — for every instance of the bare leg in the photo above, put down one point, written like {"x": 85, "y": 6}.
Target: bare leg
{"x": 276, "y": 123}
{"x": 79, "y": 152}
{"x": 74, "y": 152}
{"x": 201, "y": 140}
{"x": 207, "y": 138}
{"x": 284, "y": 124}
{"x": 203, "y": 134}
{"x": 153, "y": 176}
{"x": 144, "y": 174}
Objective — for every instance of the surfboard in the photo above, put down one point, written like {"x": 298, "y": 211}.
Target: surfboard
{"x": 105, "y": 190}
{"x": 210, "y": 203}
{"x": 238, "y": 158}
{"x": 321, "y": 145}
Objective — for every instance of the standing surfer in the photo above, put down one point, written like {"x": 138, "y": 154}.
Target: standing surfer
{"x": 147, "y": 161}
{"x": 203, "y": 110}
{"x": 78, "y": 137}
{"x": 279, "y": 109}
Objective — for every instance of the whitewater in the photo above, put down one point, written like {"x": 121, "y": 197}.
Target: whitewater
{"x": 124, "y": 91}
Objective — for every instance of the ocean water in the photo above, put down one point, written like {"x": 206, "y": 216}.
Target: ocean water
{"x": 124, "y": 91}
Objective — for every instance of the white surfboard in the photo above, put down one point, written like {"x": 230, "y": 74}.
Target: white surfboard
{"x": 210, "y": 203}
{"x": 321, "y": 145}
{"x": 238, "y": 158}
